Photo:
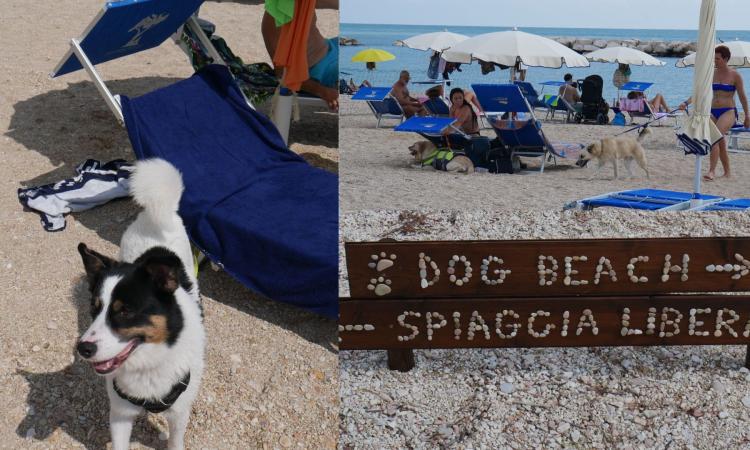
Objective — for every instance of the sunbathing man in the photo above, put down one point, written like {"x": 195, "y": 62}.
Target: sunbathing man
{"x": 322, "y": 56}
{"x": 400, "y": 92}
{"x": 569, "y": 90}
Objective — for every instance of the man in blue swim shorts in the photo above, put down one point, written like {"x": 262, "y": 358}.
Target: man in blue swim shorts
{"x": 322, "y": 56}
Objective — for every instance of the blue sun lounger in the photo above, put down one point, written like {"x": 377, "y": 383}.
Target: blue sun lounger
{"x": 739, "y": 204}
{"x": 251, "y": 205}
{"x": 524, "y": 137}
{"x": 644, "y": 199}
{"x": 382, "y": 105}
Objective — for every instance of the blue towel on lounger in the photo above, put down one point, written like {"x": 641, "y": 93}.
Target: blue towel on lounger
{"x": 250, "y": 204}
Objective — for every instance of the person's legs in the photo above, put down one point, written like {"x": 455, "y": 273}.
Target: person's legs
{"x": 719, "y": 150}
{"x": 724, "y": 123}
{"x": 658, "y": 102}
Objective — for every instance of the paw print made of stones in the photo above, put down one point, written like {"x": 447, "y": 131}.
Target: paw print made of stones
{"x": 380, "y": 285}
{"x": 380, "y": 262}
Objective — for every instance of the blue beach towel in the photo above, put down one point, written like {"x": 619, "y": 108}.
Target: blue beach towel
{"x": 250, "y": 204}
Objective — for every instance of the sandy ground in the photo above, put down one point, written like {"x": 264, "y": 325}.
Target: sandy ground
{"x": 377, "y": 171}
{"x": 575, "y": 398}
{"x": 271, "y": 376}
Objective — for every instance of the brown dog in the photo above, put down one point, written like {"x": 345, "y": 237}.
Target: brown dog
{"x": 426, "y": 154}
{"x": 623, "y": 148}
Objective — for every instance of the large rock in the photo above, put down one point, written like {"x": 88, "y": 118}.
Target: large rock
{"x": 590, "y": 48}
{"x": 660, "y": 48}
{"x": 645, "y": 47}
{"x": 585, "y": 41}
{"x": 348, "y": 41}
{"x": 599, "y": 43}
{"x": 566, "y": 41}
{"x": 614, "y": 44}
{"x": 630, "y": 42}
{"x": 578, "y": 47}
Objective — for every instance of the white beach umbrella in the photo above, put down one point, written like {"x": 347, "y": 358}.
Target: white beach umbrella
{"x": 438, "y": 41}
{"x": 699, "y": 133}
{"x": 740, "y": 51}
{"x": 509, "y": 47}
{"x": 623, "y": 55}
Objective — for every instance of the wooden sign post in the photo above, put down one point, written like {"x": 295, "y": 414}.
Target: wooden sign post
{"x": 548, "y": 293}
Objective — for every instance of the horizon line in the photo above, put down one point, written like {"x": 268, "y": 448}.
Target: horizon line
{"x": 529, "y": 26}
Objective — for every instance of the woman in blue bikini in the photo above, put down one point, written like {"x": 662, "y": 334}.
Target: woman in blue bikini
{"x": 723, "y": 109}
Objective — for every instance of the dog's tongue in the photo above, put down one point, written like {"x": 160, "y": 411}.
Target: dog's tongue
{"x": 112, "y": 364}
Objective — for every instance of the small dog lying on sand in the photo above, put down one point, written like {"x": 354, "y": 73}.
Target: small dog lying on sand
{"x": 426, "y": 154}
{"x": 624, "y": 148}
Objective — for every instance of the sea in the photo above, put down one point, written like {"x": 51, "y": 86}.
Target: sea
{"x": 674, "y": 83}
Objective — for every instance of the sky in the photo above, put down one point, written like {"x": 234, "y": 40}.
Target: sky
{"x": 652, "y": 14}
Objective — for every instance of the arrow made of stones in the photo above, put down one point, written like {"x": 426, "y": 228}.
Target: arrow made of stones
{"x": 743, "y": 268}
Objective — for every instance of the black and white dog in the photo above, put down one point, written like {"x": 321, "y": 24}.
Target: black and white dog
{"x": 147, "y": 337}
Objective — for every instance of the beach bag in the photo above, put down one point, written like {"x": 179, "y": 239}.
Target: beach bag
{"x": 479, "y": 151}
{"x": 619, "y": 119}
{"x": 500, "y": 158}
{"x": 433, "y": 68}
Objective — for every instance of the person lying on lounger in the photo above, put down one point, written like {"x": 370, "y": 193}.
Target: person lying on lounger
{"x": 657, "y": 103}
{"x": 400, "y": 92}
{"x": 322, "y": 56}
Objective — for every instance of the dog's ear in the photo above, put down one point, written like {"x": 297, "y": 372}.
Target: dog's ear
{"x": 94, "y": 263}
{"x": 164, "y": 269}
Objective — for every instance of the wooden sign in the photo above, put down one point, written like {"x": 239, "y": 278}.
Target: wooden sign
{"x": 545, "y": 293}
{"x": 547, "y": 322}
{"x": 477, "y": 269}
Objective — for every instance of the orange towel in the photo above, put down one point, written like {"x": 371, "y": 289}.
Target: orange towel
{"x": 291, "y": 51}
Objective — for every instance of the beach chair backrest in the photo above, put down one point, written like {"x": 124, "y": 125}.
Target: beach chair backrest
{"x": 520, "y": 134}
{"x": 437, "y": 107}
{"x": 372, "y": 93}
{"x": 637, "y": 105}
{"x": 501, "y": 98}
{"x": 129, "y": 26}
{"x": 528, "y": 91}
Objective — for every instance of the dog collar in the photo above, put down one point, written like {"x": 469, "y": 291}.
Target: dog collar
{"x": 163, "y": 403}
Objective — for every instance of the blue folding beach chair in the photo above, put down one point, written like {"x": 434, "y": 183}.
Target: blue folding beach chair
{"x": 644, "y": 199}
{"x": 525, "y": 137}
{"x": 251, "y": 205}
{"x": 736, "y": 133}
{"x": 382, "y": 105}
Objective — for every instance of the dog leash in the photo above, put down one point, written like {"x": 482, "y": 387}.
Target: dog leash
{"x": 647, "y": 123}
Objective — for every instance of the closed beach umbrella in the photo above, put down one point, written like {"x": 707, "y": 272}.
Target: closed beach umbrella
{"x": 740, "y": 55}
{"x": 438, "y": 41}
{"x": 623, "y": 55}
{"x": 509, "y": 47}
{"x": 699, "y": 133}
{"x": 373, "y": 55}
